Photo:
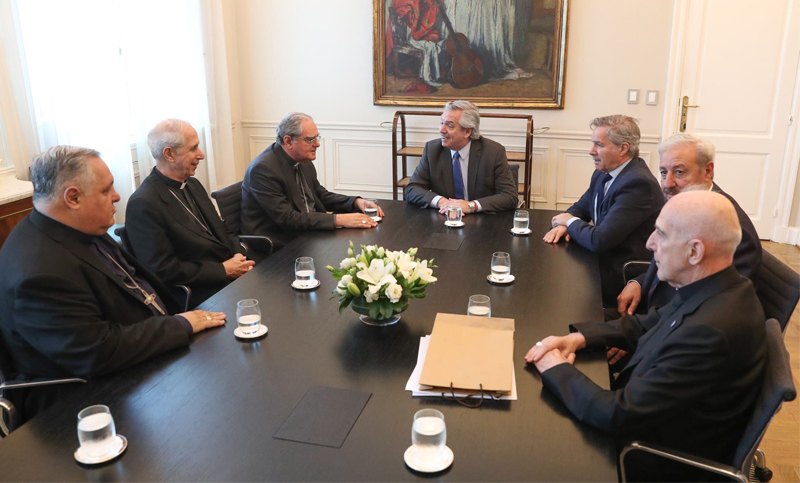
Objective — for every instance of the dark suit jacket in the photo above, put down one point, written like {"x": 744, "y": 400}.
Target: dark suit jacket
{"x": 169, "y": 241}
{"x": 624, "y": 222}
{"x": 63, "y": 312}
{"x": 273, "y": 205}
{"x": 489, "y": 179}
{"x": 746, "y": 259}
{"x": 693, "y": 377}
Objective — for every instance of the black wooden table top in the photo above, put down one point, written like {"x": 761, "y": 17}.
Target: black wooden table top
{"x": 208, "y": 412}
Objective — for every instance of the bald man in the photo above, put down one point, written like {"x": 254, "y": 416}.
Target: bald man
{"x": 174, "y": 229}
{"x": 697, "y": 362}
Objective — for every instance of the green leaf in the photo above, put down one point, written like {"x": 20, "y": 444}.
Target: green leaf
{"x": 386, "y": 309}
{"x": 374, "y": 310}
{"x": 344, "y": 303}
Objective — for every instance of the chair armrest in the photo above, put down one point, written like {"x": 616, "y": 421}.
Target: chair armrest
{"x": 8, "y": 408}
{"x": 37, "y": 382}
{"x": 13, "y": 417}
{"x": 261, "y": 243}
{"x": 633, "y": 269}
{"x": 188, "y": 294}
{"x": 680, "y": 457}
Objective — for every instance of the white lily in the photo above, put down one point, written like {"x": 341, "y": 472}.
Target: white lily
{"x": 377, "y": 273}
{"x": 394, "y": 292}
{"x": 372, "y": 293}
{"x": 405, "y": 265}
{"x": 423, "y": 272}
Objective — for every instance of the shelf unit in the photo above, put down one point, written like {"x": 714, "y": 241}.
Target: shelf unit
{"x": 404, "y": 151}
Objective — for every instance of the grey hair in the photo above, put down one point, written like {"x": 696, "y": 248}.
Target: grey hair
{"x": 621, "y": 129}
{"x": 291, "y": 125}
{"x": 704, "y": 151}
{"x": 470, "y": 117}
{"x": 166, "y": 134}
{"x": 59, "y": 165}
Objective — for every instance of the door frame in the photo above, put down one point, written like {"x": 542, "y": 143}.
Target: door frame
{"x": 782, "y": 232}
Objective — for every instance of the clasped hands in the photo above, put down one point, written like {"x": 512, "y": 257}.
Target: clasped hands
{"x": 559, "y": 224}
{"x": 552, "y": 351}
{"x": 445, "y": 203}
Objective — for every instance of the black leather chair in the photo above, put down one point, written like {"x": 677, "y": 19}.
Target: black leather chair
{"x": 10, "y": 419}
{"x": 778, "y": 289}
{"x": 229, "y": 201}
{"x": 776, "y": 388}
{"x": 633, "y": 269}
{"x": 181, "y": 293}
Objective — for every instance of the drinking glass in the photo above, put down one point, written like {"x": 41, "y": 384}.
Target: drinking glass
{"x": 96, "y": 431}
{"x": 501, "y": 266}
{"x": 429, "y": 434}
{"x": 454, "y": 215}
{"x": 521, "y": 220}
{"x": 304, "y": 272}
{"x": 479, "y": 306}
{"x": 371, "y": 208}
{"x": 248, "y": 316}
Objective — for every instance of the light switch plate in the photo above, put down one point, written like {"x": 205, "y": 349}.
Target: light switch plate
{"x": 652, "y": 98}
{"x": 633, "y": 96}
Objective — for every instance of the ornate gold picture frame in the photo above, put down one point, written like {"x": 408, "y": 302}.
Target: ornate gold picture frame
{"x": 495, "y": 53}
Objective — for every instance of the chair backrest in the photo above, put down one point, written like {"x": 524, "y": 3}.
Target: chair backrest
{"x": 122, "y": 233}
{"x": 6, "y": 364}
{"x": 778, "y": 289}
{"x": 776, "y": 387}
{"x": 229, "y": 201}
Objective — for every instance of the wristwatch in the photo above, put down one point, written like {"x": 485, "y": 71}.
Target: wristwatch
{"x": 472, "y": 206}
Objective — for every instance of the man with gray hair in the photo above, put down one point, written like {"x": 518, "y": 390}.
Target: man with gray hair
{"x": 697, "y": 362}
{"x": 463, "y": 168}
{"x": 72, "y": 304}
{"x": 281, "y": 196}
{"x": 173, "y": 227}
{"x": 616, "y": 214}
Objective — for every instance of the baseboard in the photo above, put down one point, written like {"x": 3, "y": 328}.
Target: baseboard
{"x": 789, "y": 235}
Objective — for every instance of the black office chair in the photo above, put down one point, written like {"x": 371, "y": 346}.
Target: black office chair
{"x": 633, "y": 269}
{"x": 776, "y": 388}
{"x": 9, "y": 416}
{"x": 778, "y": 289}
{"x": 229, "y": 201}
{"x": 180, "y": 293}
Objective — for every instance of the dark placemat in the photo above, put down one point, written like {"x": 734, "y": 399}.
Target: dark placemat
{"x": 324, "y": 416}
{"x": 444, "y": 241}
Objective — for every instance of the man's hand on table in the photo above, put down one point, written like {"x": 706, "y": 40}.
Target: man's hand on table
{"x": 355, "y": 220}
{"x": 362, "y": 204}
{"x": 552, "y": 351}
{"x": 445, "y": 203}
{"x": 202, "y": 320}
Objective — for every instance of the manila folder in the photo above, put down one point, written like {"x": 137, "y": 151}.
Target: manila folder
{"x": 468, "y": 352}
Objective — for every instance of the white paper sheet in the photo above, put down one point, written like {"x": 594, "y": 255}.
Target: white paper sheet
{"x": 413, "y": 381}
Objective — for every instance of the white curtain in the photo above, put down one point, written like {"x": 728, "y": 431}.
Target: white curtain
{"x": 102, "y": 73}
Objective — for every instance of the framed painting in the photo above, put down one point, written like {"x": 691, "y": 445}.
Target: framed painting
{"x": 495, "y": 53}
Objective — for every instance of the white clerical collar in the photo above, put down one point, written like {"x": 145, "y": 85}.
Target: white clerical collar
{"x": 463, "y": 152}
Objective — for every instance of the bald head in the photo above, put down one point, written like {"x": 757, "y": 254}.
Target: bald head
{"x": 696, "y": 235}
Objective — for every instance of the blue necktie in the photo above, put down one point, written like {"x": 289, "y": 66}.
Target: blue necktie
{"x": 458, "y": 178}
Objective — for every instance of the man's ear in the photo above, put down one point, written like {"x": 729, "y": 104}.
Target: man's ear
{"x": 72, "y": 197}
{"x": 168, "y": 154}
{"x": 624, "y": 149}
{"x": 697, "y": 251}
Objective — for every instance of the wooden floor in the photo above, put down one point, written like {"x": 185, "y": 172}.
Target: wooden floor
{"x": 782, "y": 441}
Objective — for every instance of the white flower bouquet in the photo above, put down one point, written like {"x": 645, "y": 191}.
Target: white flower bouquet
{"x": 379, "y": 282}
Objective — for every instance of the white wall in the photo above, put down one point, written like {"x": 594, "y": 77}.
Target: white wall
{"x": 316, "y": 56}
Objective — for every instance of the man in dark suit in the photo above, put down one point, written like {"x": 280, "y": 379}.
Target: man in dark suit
{"x": 71, "y": 302}
{"x": 697, "y": 362}
{"x": 174, "y": 229}
{"x": 462, "y": 168}
{"x": 687, "y": 163}
{"x": 616, "y": 214}
{"x": 281, "y": 195}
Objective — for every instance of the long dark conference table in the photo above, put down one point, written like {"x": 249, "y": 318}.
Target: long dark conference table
{"x": 209, "y": 412}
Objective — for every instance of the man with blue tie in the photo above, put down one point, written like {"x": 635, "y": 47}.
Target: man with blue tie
{"x": 463, "y": 168}
{"x": 616, "y": 215}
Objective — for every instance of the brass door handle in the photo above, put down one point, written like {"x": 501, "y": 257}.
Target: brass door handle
{"x": 684, "y": 110}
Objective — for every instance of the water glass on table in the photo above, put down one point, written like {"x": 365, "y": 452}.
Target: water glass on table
{"x": 479, "y": 306}
{"x": 521, "y": 221}
{"x": 371, "y": 209}
{"x": 454, "y": 215}
{"x": 248, "y": 316}
{"x": 96, "y": 431}
{"x": 429, "y": 434}
{"x": 501, "y": 266}
{"x": 304, "y": 272}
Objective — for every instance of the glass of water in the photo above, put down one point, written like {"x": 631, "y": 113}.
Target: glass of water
{"x": 429, "y": 434}
{"x": 521, "y": 220}
{"x": 304, "y": 272}
{"x": 371, "y": 208}
{"x": 479, "y": 306}
{"x": 248, "y": 316}
{"x": 454, "y": 215}
{"x": 96, "y": 431}
{"x": 501, "y": 266}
